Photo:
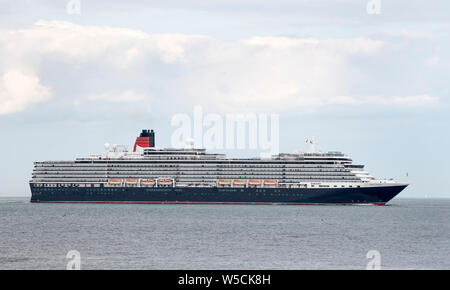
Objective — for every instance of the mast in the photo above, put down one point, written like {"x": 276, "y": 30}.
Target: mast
{"x": 312, "y": 145}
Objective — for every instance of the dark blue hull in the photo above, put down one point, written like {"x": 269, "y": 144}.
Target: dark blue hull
{"x": 356, "y": 195}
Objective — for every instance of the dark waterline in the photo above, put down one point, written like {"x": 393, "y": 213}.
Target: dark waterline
{"x": 408, "y": 233}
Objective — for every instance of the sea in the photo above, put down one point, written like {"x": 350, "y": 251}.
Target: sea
{"x": 405, "y": 234}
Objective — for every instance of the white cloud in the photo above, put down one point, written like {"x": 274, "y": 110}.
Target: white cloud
{"x": 258, "y": 73}
{"x": 19, "y": 90}
{"x": 419, "y": 100}
{"x": 77, "y": 44}
{"x": 118, "y": 47}
{"x": 352, "y": 45}
{"x": 405, "y": 33}
{"x": 119, "y": 97}
{"x": 273, "y": 73}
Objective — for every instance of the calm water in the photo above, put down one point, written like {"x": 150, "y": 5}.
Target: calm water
{"x": 409, "y": 234}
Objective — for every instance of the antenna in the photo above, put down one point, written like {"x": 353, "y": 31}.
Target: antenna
{"x": 312, "y": 145}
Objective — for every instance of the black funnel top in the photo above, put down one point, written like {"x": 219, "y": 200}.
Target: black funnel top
{"x": 149, "y": 133}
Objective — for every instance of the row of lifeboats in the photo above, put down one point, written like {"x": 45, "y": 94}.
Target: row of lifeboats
{"x": 244, "y": 182}
{"x": 141, "y": 181}
{"x": 170, "y": 181}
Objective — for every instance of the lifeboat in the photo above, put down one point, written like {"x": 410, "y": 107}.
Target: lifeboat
{"x": 269, "y": 182}
{"x": 165, "y": 181}
{"x": 254, "y": 182}
{"x": 131, "y": 181}
{"x": 224, "y": 181}
{"x": 115, "y": 181}
{"x": 148, "y": 181}
{"x": 240, "y": 182}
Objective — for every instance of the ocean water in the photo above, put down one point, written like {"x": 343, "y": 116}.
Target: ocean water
{"x": 408, "y": 234}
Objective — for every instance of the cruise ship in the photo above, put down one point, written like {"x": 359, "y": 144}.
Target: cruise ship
{"x": 148, "y": 174}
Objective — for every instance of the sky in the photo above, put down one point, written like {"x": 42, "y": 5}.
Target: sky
{"x": 368, "y": 78}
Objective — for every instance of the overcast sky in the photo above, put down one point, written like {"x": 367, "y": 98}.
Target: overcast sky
{"x": 373, "y": 83}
